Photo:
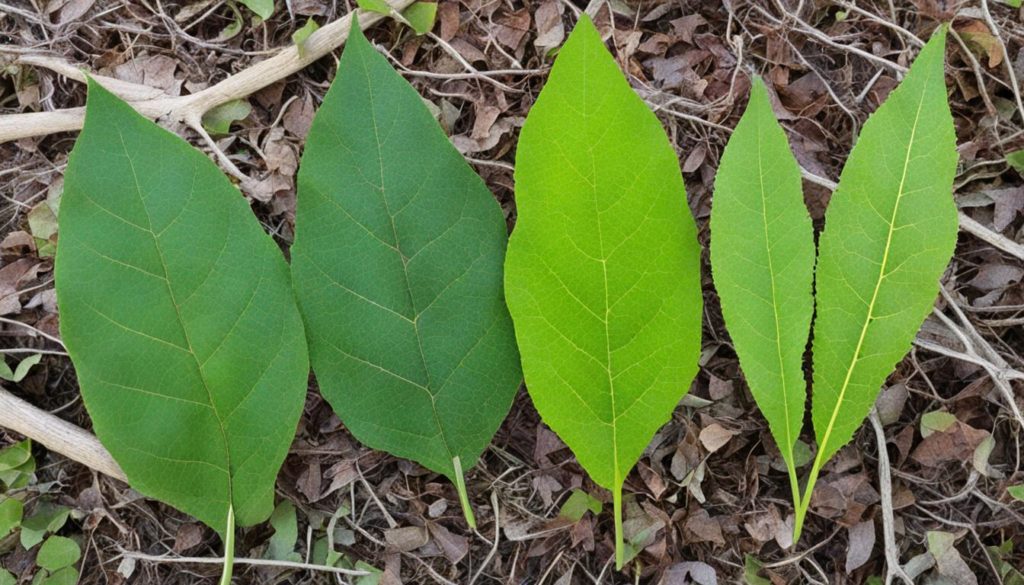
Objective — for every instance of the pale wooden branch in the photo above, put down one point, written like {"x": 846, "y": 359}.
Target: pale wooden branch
{"x": 56, "y": 435}
{"x": 187, "y": 109}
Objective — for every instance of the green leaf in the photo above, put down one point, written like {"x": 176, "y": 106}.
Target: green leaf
{"x": 421, "y": 16}
{"x": 21, "y": 370}
{"x": 762, "y": 257}
{"x": 890, "y": 230}
{"x": 1016, "y": 160}
{"x": 42, "y": 222}
{"x": 17, "y": 464}
{"x": 397, "y": 265}
{"x": 1016, "y": 491}
{"x": 11, "y": 511}
{"x": 937, "y": 421}
{"x": 603, "y": 268}
{"x": 577, "y": 504}
{"x": 46, "y": 519}
{"x": 58, "y": 552}
{"x": 751, "y": 568}
{"x": 300, "y": 36}
{"x": 1012, "y": 3}
{"x": 6, "y": 578}
{"x": 65, "y": 576}
{"x": 262, "y": 8}
{"x": 219, "y": 119}
{"x": 179, "y": 316}
{"x": 286, "y": 533}
{"x": 378, "y": 6}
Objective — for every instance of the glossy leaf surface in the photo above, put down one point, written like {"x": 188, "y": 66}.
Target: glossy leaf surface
{"x": 178, "y": 313}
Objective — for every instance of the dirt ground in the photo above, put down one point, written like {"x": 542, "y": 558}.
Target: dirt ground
{"x": 711, "y": 493}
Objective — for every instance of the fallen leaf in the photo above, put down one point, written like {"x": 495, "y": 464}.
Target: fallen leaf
{"x": 715, "y": 436}
{"x": 861, "y": 543}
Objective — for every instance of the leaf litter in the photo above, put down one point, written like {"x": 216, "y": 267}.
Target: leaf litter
{"x": 683, "y": 62}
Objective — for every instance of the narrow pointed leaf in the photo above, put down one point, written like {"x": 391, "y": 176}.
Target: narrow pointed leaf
{"x": 762, "y": 256}
{"x": 178, "y": 314}
{"x": 889, "y": 232}
{"x": 602, "y": 275}
{"x": 397, "y": 264}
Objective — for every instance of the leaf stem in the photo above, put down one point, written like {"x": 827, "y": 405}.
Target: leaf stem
{"x": 804, "y": 503}
{"x": 229, "y": 548}
{"x": 460, "y": 486}
{"x": 620, "y": 549}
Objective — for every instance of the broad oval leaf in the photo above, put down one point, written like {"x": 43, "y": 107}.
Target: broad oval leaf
{"x": 603, "y": 274}
{"x": 178, "y": 313}
{"x": 397, "y": 264}
{"x": 890, "y": 230}
{"x": 762, "y": 257}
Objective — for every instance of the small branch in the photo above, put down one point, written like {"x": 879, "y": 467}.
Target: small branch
{"x": 187, "y": 108}
{"x": 892, "y": 552}
{"x": 244, "y": 561}
{"x": 56, "y": 435}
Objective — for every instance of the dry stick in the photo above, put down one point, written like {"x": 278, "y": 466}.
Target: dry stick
{"x": 244, "y": 561}
{"x": 892, "y": 553}
{"x": 190, "y": 108}
{"x": 56, "y": 435}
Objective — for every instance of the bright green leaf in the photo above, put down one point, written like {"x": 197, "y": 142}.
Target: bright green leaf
{"x": 178, "y": 313}
{"x": 1016, "y": 491}
{"x": 6, "y": 578}
{"x": 378, "y": 6}
{"x": 300, "y": 36}
{"x": 890, "y": 230}
{"x": 421, "y": 16}
{"x": 603, "y": 269}
{"x": 1016, "y": 160}
{"x": 1012, "y": 3}
{"x": 397, "y": 265}
{"x": 762, "y": 256}
{"x": 577, "y": 504}
{"x": 262, "y": 8}
{"x": 219, "y": 119}
{"x": 936, "y": 421}
{"x": 58, "y": 552}
{"x": 11, "y": 511}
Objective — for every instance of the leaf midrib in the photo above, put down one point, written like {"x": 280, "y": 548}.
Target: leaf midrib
{"x": 405, "y": 262}
{"x": 180, "y": 320}
{"x": 881, "y": 274}
{"x": 788, "y": 448}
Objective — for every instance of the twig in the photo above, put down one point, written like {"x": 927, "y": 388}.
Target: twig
{"x": 190, "y": 108}
{"x": 892, "y": 553}
{"x": 497, "y": 538}
{"x": 245, "y": 561}
{"x": 56, "y": 435}
{"x": 1006, "y": 56}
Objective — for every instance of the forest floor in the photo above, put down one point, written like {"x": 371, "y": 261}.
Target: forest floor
{"x": 710, "y": 498}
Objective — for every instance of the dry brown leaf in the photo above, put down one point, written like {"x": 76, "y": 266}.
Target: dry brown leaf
{"x": 861, "y": 538}
{"x": 715, "y": 436}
